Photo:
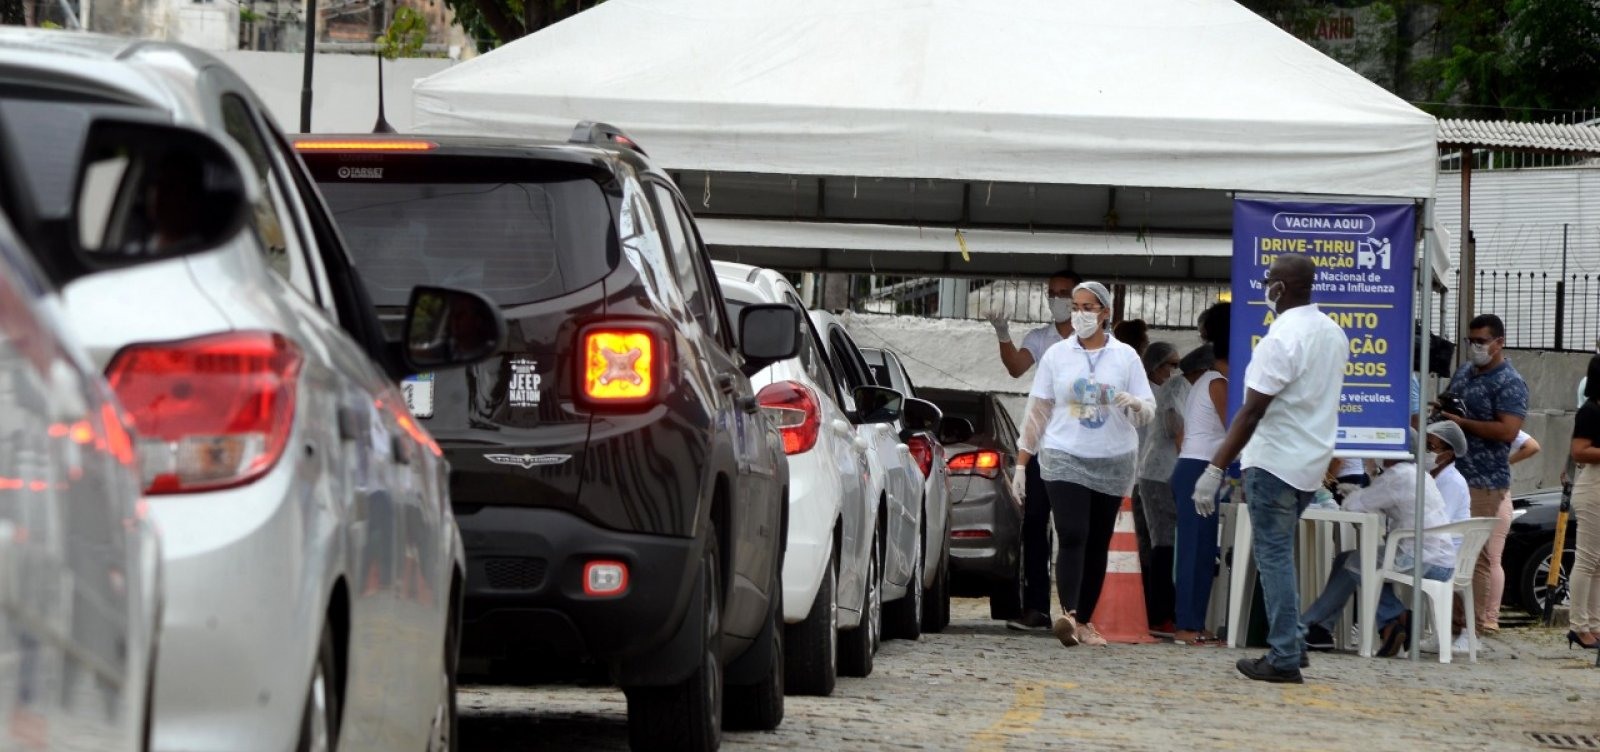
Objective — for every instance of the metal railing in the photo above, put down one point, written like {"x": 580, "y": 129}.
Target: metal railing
{"x": 1541, "y": 310}
{"x": 1159, "y": 306}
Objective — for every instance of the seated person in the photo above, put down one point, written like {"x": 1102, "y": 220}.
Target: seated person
{"x": 1392, "y": 493}
{"x": 1447, "y": 444}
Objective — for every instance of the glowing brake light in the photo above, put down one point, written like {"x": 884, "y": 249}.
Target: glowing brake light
{"x": 364, "y": 145}
{"x": 619, "y": 365}
{"x": 210, "y": 413}
{"x": 985, "y": 463}
{"x": 793, "y": 408}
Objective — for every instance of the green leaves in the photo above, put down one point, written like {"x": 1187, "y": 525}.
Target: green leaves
{"x": 407, "y": 31}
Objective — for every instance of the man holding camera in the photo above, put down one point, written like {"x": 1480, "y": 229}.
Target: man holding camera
{"x": 1492, "y": 400}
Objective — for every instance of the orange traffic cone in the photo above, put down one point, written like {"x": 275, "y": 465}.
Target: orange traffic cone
{"x": 1120, "y": 615}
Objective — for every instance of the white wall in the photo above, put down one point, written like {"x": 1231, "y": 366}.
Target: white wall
{"x": 344, "y": 96}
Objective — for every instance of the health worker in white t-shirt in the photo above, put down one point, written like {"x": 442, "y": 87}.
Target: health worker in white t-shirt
{"x": 1035, "y": 614}
{"x": 1089, "y": 397}
{"x": 1205, "y": 412}
{"x": 1286, "y": 430}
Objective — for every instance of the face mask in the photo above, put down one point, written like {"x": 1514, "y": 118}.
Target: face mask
{"x": 1085, "y": 324}
{"x": 1431, "y": 459}
{"x": 1060, "y": 309}
{"x": 1479, "y": 354}
{"x": 1272, "y": 300}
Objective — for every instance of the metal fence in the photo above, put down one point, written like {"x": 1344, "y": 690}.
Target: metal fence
{"x": 1161, "y": 306}
{"x": 1541, "y": 310}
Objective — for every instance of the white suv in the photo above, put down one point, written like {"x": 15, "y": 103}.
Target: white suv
{"x": 831, "y": 525}
{"x": 312, "y": 563}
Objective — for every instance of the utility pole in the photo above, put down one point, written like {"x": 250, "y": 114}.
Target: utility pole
{"x": 311, "y": 51}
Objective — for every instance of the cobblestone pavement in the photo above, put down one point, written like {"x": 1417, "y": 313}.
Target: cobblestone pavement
{"x": 980, "y": 687}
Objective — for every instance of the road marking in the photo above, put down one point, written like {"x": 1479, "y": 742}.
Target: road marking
{"x": 1024, "y": 714}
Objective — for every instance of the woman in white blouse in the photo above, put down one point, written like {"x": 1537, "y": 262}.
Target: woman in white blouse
{"x": 1089, "y": 397}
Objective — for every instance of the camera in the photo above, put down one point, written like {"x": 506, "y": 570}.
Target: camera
{"x": 1448, "y": 403}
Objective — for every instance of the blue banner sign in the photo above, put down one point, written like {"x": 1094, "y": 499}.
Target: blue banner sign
{"x": 1365, "y": 256}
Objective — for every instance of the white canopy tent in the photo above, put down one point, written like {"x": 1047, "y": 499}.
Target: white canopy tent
{"x": 1115, "y": 133}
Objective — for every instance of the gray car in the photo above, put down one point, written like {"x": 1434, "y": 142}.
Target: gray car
{"x": 311, "y": 558}
{"x": 985, "y": 515}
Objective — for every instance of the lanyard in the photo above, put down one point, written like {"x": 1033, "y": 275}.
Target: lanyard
{"x": 1092, "y": 360}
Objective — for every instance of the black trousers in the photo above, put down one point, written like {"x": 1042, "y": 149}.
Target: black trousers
{"x": 1142, "y": 533}
{"x": 1085, "y": 521}
{"x": 1036, "y": 543}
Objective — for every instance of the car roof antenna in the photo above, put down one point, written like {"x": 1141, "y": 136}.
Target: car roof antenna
{"x": 382, "y": 126}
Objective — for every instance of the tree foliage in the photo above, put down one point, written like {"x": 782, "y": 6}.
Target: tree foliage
{"x": 406, "y": 34}
{"x": 495, "y": 22}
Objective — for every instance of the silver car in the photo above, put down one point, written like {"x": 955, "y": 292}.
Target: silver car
{"x": 80, "y": 564}
{"x": 311, "y": 558}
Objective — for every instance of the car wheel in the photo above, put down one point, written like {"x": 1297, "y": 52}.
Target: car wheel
{"x": 1005, "y": 601}
{"x": 319, "y": 723}
{"x": 903, "y": 618}
{"x": 936, "y": 606}
{"x": 687, "y": 715}
{"x": 1533, "y": 583}
{"x": 857, "y": 646}
{"x": 759, "y": 706}
{"x": 811, "y": 652}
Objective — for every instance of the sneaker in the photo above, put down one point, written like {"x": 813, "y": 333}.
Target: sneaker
{"x": 1318, "y": 637}
{"x": 1461, "y": 645}
{"x": 1262, "y": 669}
{"x": 1030, "y": 621}
{"x": 1429, "y": 644}
{"x": 1393, "y": 637}
{"x": 1066, "y": 630}
{"x": 1088, "y": 635}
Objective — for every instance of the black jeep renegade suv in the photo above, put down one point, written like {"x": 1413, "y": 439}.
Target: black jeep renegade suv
{"x": 621, "y": 496}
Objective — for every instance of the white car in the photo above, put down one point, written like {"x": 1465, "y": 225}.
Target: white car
{"x": 312, "y": 562}
{"x": 929, "y": 452}
{"x": 897, "y": 483}
{"x": 831, "y": 525}
{"x": 80, "y": 563}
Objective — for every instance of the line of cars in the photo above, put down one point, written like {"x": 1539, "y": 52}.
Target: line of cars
{"x": 301, "y": 430}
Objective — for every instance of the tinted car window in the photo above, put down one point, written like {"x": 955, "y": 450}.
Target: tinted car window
{"x": 514, "y": 242}
{"x": 54, "y": 132}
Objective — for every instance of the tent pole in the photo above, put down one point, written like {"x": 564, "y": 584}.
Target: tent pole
{"x": 1468, "y": 292}
{"x": 1421, "y": 446}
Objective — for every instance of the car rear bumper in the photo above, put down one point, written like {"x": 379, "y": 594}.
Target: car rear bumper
{"x": 525, "y": 602}
{"x": 985, "y": 530}
{"x": 814, "y": 506}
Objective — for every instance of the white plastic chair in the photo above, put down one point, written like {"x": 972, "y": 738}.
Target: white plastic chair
{"x": 1474, "y": 534}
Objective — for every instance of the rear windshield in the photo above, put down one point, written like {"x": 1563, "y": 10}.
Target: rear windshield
{"x": 515, "y": 242}
{"x": 958, "y": 405}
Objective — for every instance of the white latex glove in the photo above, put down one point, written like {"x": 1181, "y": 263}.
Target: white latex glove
{"x": 1205, "y": 491}
{"x": 1002, "y": 328}
{"x": 1019, "y": 482}
{"x": 1124, "y": 400}
{"x": 1346, "y": 490}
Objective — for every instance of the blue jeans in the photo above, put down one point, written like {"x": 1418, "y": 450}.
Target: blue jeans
{"x": 1275, "y": 508}
{"x": 1346, "y": 580}
{"x": 1196, "y": 553}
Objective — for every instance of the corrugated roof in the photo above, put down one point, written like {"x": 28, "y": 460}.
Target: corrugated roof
{"x": 1501, "y": 134}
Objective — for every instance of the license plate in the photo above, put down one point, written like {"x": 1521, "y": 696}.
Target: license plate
{"x": 418, "y": 390}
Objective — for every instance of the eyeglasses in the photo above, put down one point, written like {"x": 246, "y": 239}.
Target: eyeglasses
{"x": 1481, "y": 340}
{"x": 1090, "y": 308}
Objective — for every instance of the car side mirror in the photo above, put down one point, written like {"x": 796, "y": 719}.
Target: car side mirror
{"x": 955, "y": 430}
{"x": 149, "y": 191}
{"x": 768, "y": 333}
{"x": 919, "y": 416}
{"x": 877, "y": 404}
{"x": 446, "y": 327}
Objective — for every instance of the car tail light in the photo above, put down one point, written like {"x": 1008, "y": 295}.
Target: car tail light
{"x": 619, "y": 365}
{"x": 922, "y": 449}
{"x": 970, "y": 534}
{"x": 605, "y": 578}
{"x": 209, "y": 413}
{"x": 793, "y": 406}
{"x": 364, "y": 145}
{"x": 985, "y": 463}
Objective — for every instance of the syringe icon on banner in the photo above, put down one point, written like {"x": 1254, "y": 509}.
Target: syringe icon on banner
{"x": 1372, "y": 252}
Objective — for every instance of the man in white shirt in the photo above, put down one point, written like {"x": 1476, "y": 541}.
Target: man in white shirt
{"x": 1286, "y": 430}
{"x": 1036, "y": 505}
{"x": 1393, "y": 494}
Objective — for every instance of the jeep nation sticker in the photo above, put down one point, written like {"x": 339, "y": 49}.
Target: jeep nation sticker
{"x": 523, "y": 390}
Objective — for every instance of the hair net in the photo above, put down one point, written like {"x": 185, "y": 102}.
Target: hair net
{"x": 1099, "y": 291}
{"x": 1156, "y": 354}
{"x": 1452, "y": 435}
{"x": 1199, "y": 359}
